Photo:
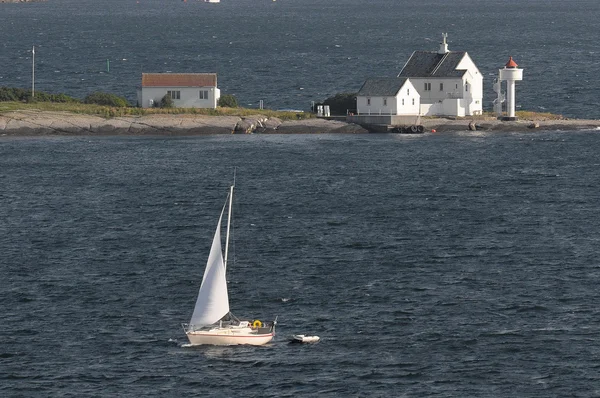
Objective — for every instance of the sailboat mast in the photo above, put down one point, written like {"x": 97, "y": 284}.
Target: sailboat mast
{"x": 228, "y": 224}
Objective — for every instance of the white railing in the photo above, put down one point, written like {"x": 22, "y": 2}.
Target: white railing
{"x": 369, "y": 113}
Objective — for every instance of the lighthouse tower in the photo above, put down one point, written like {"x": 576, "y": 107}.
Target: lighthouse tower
{"x": 511, "y": 73}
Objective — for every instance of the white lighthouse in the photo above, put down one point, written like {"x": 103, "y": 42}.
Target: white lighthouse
{"x": 511, "y": 73}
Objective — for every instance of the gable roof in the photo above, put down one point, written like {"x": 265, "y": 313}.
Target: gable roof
{"x": 431, "y": 64}
{"x": 381, "y": 87}
{"x": 179, "y": 80}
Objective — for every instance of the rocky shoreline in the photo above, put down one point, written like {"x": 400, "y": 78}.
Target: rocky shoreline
{"x": 38, "y": 123}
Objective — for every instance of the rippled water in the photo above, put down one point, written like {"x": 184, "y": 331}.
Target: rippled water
{"x": 291, "y": 52}
{"x": 435, "y": 265}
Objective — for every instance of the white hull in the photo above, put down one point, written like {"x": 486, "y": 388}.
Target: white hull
{"x": 227, "y": 336}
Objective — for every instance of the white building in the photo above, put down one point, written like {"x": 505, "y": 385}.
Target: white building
{"x": 188, "y": 90}
{"x": 387, "y": 96}
{"x": 448, "y": 82}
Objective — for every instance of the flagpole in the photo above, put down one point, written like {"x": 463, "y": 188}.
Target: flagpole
{"x": 33, "y": 73}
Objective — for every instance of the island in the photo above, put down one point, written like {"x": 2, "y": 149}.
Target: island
{"x": 59, "y": 123}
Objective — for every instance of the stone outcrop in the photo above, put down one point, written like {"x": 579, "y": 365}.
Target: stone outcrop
{"x": 36, "y": 123}
{"x": 493, "y": 124}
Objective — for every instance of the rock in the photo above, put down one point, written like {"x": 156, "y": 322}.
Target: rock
{"x": 245, "y": 126}
{"x": 534, "y": 125}
{"x": 472, "y": 126}
{"x": 310, "y": 126}
{"x": 350, "y": 129}
{"x": 250, "y": 124}
{"x": 270, "y": 126}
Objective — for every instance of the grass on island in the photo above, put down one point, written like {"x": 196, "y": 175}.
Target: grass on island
{"x": 109, "y": 112}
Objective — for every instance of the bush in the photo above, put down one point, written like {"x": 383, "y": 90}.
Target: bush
{"x": 106, "y": 99}
{"x": 227, "y": 101}
{"x": 19, "y": 94}
{"x": 9, "y": 94}
{"x": 339, "y": 104}
{"x": 167, "y": 102}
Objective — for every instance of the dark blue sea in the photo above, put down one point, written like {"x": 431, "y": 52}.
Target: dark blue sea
{"x": 289, "y": 53}
{"x": 452, "y": 265}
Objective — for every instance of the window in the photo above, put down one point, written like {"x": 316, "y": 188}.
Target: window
{"x": 413, "y": 101}
{"x": 385, "y": 102}
{"x": 466, "y": 86}
{"x": 408, "y": 91}
{"x": 427, "y": 86}
{"x": 203, "y": 94}
{"x": 441, "y": 86}
{"x": 402, "y": 101}
{"x": 368, "y": 101}
{"x": 174, "y": 94}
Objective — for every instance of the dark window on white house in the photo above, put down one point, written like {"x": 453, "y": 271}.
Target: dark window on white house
{"x": 427, "y": 86}
{"x": 385, "y": 102}
{"x": 203, "y": 94}
{"x": 441, "y": 86}
{"x": 174, "y": 94}
{"x": 368, "y": 101}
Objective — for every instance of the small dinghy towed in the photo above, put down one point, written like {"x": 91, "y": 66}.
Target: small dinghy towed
{"x": 304, "y": 339}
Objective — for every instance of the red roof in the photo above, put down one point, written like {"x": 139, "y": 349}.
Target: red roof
{"x": 511, "y": 63}
{"x": 179, "y": 80}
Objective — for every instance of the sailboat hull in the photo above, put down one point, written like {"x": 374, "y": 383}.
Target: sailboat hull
{"x": 228, "y": 337}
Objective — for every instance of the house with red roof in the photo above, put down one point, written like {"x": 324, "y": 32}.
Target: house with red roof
{"x": 187, "y": 90}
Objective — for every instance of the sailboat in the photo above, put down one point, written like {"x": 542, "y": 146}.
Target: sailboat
{"x": 212, "y": 322}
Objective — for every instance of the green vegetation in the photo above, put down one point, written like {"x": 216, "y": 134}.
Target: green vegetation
{"x": 110, "y": 105}
{"x": 341, "y": 103}
{"x": 109, "y": 112}
{"x": 19, "y": 94}
{"x": 166, "y": 102}
{"x": 528, "y": 115}
{"x": 228, "y": 101}
{"x": 105, "y": 99}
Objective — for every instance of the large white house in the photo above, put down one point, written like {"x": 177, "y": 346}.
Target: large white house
{"x": 188, "y": 90}
{"x": 387, "y": 96}
{"x": 448, "y": 82}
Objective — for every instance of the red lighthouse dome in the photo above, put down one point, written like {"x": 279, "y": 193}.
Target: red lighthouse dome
{"x": 511, "y": 63}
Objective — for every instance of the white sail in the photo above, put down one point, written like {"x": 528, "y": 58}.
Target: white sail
{"x": 213, "y": 302}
